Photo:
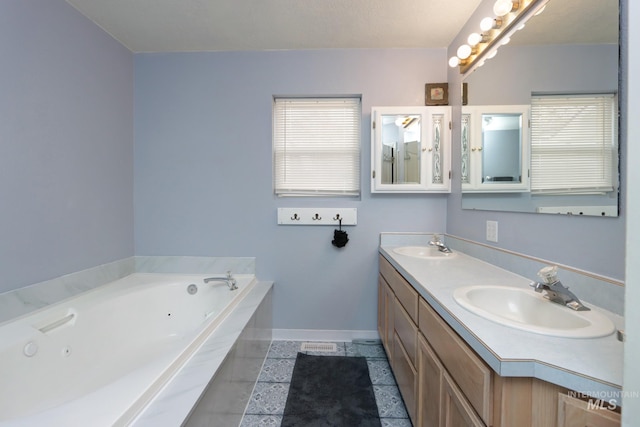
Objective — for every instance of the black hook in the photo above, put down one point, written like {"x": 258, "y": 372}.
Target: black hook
{"x": 295, "y": 217}
{"x": 316, "y": 217}
{"x": 337, "y": 218}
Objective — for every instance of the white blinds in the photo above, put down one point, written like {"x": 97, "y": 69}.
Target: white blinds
{"x": 573, "y": 142}
{"x": 316, "y": 146}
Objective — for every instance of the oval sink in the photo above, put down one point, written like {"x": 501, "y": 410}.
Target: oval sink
{"x": 425, "y": 252}
{"x": 526, "y": 310}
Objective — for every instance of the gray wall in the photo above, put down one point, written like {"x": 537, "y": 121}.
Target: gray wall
{"x": 573, "y": 241}
{"x": 66, "y": 143}
{"x": 203, "y": 173}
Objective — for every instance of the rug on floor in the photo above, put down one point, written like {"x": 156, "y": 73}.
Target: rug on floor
{"x": 331, "y": 391}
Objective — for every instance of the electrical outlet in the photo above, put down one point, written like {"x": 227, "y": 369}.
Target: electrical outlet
{"x": 492, "y": 231}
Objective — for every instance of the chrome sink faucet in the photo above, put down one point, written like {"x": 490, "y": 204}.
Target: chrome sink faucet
{"x": 435, "y": 241}
{"x": 555, "y": 291}
{"x": 228, "y": 279}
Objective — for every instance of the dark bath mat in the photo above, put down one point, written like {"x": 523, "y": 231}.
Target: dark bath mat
{"x": 330, "y": 391}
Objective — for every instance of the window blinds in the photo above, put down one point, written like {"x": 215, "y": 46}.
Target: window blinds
{"x": 316, "y": 146}
{"x": 573, "y": 144}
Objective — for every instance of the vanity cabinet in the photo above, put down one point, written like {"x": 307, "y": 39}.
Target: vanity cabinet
{"x": 495, "y": 148}
{"x": 400, "y": 332}
{"x": 574, "y": 412}
{"x": 444, "y": 383}
{"x": 411, "y": 149}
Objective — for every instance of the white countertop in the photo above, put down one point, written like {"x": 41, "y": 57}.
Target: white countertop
{"x": 589, "y": 365}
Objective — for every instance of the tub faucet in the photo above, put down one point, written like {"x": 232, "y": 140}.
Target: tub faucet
{"x": 435, "y": 241}
{"x": 555, "y": 291}
{"x": 228, "y": 279}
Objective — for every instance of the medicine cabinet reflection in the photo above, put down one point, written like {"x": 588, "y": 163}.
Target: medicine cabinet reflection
{"x": 495, "y": 148}
{"x": 410, "y": 149}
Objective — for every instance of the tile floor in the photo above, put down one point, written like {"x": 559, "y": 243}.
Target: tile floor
{"x": 269, "y": 396}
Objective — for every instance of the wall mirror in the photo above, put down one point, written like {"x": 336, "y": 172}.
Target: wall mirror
{"x": 571, "y": 49}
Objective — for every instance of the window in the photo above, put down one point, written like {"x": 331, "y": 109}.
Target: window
{"x": 316, "y": 146}
{"x": 573, "y": 144}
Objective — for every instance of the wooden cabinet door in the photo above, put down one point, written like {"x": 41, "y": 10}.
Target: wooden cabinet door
{"x": 381, "y": 307}
{"x": 430, "y": 374}
{"x": 406, "y": 377}
{"x": 456, "y": 410}
{"x": 390, "y": 304}
{"x": 574, "y": 412}
{"x": 386, "y": 302}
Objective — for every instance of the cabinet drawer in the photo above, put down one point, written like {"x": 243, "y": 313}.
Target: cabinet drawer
{"x": 405, "y": 293}
{"x": 470, "y": 373}
{"x": 407, "y": 332}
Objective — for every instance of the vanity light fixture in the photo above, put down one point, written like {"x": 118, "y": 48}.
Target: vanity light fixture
{"x": 511, "y": 15}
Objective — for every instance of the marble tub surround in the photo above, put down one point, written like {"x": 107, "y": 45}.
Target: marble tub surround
{"x": 216, "y": 382}
{"x": 592, "y": 366}
{"x": 22, "y": 301}
{"x": 194, "y": 264}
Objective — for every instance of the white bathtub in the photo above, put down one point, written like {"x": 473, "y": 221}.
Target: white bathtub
{"x": 99, "y": 358}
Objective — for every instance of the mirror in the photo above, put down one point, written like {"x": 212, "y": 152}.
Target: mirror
{"x": 400, "y": 149}
{"x": 569, "y": 49}
{"x": 410, "y": 149}
{"x": 502, "y": 145}
{"x": 495, "y": 148}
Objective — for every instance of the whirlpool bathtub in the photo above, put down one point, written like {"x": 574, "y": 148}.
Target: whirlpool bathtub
{"x": 101, "y": 358}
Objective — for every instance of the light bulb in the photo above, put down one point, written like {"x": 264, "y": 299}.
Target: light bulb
{"x": 505, "y": 40}
{"x": 489, "y": 23}
{"x": 474, "y": 39}
{"x": 502, "y": 7}
{"x": 492, "y": 54}
{"x": 454, "y": 61}
{"x": 464, "y": 51}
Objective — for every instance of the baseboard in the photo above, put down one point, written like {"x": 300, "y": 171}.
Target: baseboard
{"x": 323, "y": 335}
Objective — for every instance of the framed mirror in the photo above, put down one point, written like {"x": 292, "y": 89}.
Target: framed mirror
{"x": 410, "y": 149}
{"x": 570, "y": 50}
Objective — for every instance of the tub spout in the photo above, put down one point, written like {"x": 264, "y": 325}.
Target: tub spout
{"x": 228, "y": 279}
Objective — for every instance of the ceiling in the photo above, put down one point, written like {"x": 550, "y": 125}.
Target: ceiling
{"x": 224, "y": 25}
